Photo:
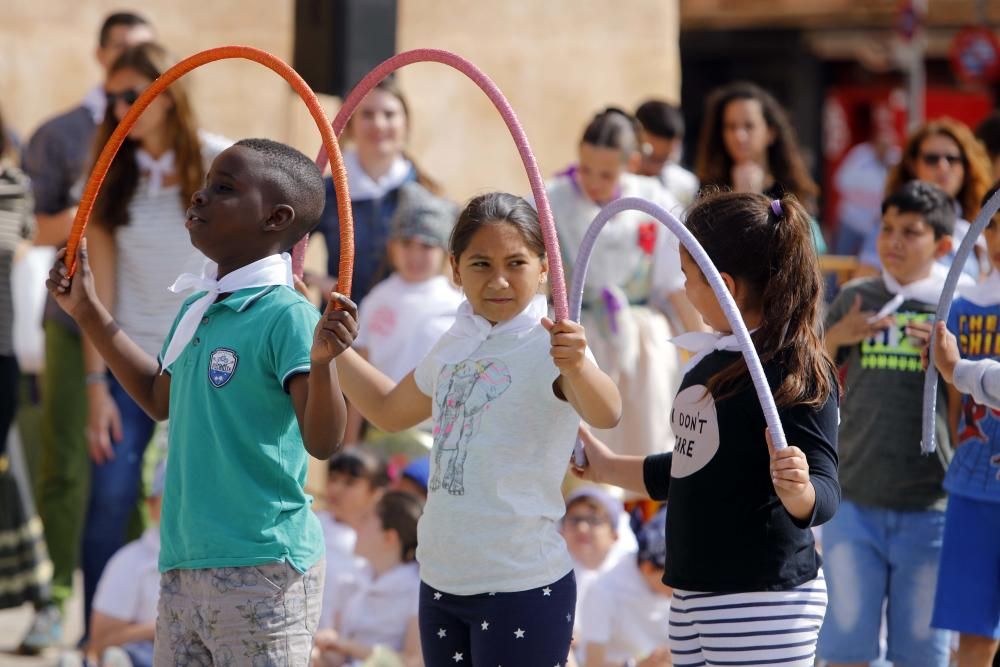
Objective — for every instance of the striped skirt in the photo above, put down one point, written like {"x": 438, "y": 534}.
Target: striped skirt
{"x": 766, "y": 628}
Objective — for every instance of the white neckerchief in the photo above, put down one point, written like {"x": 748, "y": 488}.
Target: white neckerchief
{"x": 985, "y": 293}
{"x": 362, "y": 186}
{"x": 470, "y": 330}
{"x": 925, "y": 290}
{"x": 271, "y": 270}
{"x": 703, "y": 343}
{"x": 96, "y": 102}
{"x": 156, "y": 168}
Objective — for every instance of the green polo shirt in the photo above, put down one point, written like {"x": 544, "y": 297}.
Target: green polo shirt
{"x": 236, "y": 469}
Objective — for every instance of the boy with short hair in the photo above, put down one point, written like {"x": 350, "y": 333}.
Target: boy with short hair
{"x": 247, "y": 379}
{"x": 885, "y": 541}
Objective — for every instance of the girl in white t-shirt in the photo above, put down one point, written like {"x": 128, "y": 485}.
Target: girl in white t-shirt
{"x": 634, "y": 274}
{"x": 382, "y": 614}
{"x": 506, "y": 388}
{"x": 405, "y": 315}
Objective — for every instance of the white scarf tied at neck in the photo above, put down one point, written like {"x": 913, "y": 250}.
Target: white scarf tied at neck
{"x": 702, "y": 344}
{"x": 925, "y": 290}
{"x": 470, "y": 330}
{"x": 156, "y": 168}
{"x": 271, "y": 270}
{"x": 986, "y": 293}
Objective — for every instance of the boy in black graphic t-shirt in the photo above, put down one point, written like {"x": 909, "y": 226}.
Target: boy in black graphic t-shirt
{"x": 884, "y": 545}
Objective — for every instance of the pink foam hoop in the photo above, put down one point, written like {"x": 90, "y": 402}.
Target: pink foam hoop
{"x": 557, "y": 279}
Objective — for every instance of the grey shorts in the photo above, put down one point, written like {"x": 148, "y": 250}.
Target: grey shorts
{"x": 263, "y": 615}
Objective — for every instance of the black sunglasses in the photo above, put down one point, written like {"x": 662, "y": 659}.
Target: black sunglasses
{"x": 127, "y": 96}
{"x": 933, "y": 159}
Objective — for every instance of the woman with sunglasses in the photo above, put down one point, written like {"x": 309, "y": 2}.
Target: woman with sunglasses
{"x": 945, "y": 153}
{"x": 138, "y": 245}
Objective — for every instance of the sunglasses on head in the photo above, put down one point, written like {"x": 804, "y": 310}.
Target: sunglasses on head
{"x": 127, "y": 96}
{"x": 933, "y": 159}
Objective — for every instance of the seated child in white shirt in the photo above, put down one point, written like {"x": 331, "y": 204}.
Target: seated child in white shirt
{"x": 356, "y": 480}
{"x": 407, "y": 313}
{"x": 381, "y": 615}
{"x": 597, "y": 534}
{"x": 124, "y": 616}
{"x": 624, "y": 614}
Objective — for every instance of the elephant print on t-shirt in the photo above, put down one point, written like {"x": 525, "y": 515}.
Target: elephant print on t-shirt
{"x": 464, "y": 393}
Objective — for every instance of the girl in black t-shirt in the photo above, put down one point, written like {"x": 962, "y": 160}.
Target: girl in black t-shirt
{"x": 740, "y": 553}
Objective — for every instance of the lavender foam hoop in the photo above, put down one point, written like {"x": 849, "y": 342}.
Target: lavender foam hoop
{"x": 928, "y": 436}
{"x": 699, "y": 255}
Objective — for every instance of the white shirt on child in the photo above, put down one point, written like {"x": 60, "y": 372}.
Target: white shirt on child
{"x": 622, "y": 613}
{"x": 343, "y": 568}
{"x": 625, "y": 546}
{"x": 380, "y": 610}
{"x": 400, "y": 321}
{"x": 501, "y": 445}
{"x": 129, "y": 588}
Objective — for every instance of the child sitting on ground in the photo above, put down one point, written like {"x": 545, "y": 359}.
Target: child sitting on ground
{"x": 356, "y": 480}
{"x": 624, "y": 617}
{"x": 382, "y": 614}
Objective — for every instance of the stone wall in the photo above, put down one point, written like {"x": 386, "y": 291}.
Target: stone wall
{"x": 557, "y": 60}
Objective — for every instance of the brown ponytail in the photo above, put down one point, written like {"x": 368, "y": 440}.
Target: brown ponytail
{"x": 770, "y": 247}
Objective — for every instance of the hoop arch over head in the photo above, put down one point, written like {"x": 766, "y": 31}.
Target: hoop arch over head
{"x": 365, "y": 86}
{"x": 274, "y": 63}
{"x": 986, "y": 213}
{"x": 699, "y": 255}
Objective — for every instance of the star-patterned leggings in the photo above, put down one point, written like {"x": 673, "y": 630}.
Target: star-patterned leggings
{"x": 524, "y": 629}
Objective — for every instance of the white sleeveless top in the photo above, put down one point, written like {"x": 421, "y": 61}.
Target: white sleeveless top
{"x": 153, "y": 249}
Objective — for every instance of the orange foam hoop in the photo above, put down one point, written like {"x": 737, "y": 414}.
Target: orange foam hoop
{"x": 274, "y": 63}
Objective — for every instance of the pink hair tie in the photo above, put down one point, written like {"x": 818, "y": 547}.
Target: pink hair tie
{"x": 776, "y": 207}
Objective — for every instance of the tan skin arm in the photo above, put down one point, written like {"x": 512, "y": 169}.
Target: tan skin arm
{"x": 53, "y": 229}
{"x": 954, "y": 412}
{"x": 355, "y": 420}
{"x": 412, "y": 656}
{"x": 390, "y": 407}
{"x": 106, "y": 631}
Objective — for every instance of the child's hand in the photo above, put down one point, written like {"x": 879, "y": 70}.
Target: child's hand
{"x": 946, "y": 352}
{"x": 336, "y": 330}
{"x": 920, "y": 334}
{"x": 75, "y": 295}
{"x": 856, "y": 325}
{"x": 597, "y": 455}
{"x": 790, "y": 475}
{"x": 569, "y": 345}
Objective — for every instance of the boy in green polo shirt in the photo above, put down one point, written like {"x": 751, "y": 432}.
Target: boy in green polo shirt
{"x": 248, "y": 381}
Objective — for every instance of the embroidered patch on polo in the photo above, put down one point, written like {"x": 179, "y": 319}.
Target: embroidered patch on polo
{"x": 222, "y": 366}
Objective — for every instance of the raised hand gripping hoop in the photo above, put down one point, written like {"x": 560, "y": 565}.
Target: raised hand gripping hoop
{"x": 986, "y": 213}
{"x": 714, "y": 279}
{"x": 365, "y": 86}
{"x": 332, "y": 149}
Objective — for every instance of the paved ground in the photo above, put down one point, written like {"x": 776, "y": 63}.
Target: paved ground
{"x": 14, "y": 622}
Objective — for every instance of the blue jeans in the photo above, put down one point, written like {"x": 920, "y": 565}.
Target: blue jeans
{"x": 114, "y": 492}
{"x": 874, "y": 556}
